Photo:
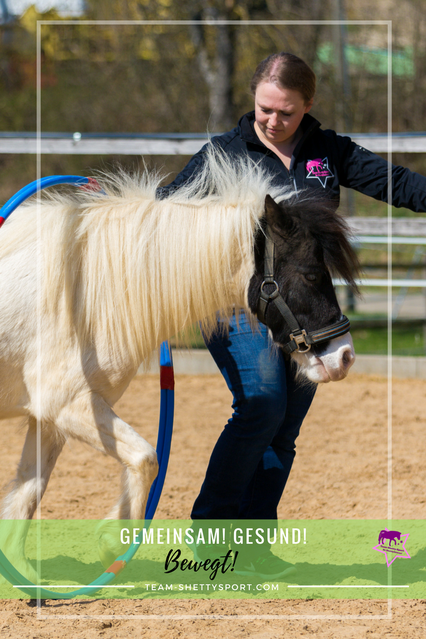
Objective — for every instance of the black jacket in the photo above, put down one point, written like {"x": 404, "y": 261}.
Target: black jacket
{"x": 322, "y": 161}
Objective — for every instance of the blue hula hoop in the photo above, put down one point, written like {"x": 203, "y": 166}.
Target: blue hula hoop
{"x": 165, "y": 429}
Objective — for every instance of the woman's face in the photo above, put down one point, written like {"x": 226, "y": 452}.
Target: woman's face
{"x": 279, "y": 112}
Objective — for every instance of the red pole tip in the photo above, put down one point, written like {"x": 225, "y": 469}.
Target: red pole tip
{"x": 91, "y": 185}
{"x": 167, "y": 380}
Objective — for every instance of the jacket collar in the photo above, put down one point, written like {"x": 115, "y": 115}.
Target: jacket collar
{"x": 248, "y": 134}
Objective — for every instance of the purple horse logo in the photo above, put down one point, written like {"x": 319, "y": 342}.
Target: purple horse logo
{"x": 318, "y": 169}
{"x": 392, "y": 545}
{"x": 390, "y": 536}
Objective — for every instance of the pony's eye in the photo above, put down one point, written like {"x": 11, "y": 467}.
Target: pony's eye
{"x": 311, "y": 277}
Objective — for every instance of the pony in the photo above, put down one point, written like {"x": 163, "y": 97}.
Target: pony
{"x": 93, "y": 283}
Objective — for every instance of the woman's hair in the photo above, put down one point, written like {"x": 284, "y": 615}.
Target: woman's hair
{"x": 286, "y": 71}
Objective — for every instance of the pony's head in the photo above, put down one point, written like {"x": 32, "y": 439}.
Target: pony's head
{"x": 292, "y": 292}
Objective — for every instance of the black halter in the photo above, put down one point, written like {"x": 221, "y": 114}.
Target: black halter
{"x": 300, "y": 340}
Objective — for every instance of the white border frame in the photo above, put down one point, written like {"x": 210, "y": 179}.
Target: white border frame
{"x": 387, "y": 23}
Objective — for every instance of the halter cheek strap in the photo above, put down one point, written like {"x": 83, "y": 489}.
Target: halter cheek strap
{"x": 300, "y": 340}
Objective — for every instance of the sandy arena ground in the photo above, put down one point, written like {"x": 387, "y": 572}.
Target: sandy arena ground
{"x": 340, "y": 471}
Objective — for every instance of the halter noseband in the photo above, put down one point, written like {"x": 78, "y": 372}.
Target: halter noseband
{"x": 300, "y": 340}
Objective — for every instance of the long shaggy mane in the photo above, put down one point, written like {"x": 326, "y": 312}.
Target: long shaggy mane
{"x": 127, "y": 270}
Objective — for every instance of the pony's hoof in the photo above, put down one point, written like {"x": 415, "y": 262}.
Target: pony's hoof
{"x": 109, "y": 543}
{"x": 106, "y": 555}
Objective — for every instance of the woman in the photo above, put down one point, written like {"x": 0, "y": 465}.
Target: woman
{"x": 252, "y": 459}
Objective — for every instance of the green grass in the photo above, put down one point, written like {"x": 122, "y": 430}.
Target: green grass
{"x": 374, "y": 341}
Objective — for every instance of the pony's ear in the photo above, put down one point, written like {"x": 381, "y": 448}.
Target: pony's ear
{"x": 276, "y": 217}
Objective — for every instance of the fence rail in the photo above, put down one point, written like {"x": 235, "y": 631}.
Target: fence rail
{"x": 169, "y": 143}
{"x": 399, "y": 227}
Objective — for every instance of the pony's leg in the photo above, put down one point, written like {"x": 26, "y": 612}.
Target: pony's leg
{"x": 31, "y": 478}
{"x": 27, "y": 489}
{"x": 90, "y": 419}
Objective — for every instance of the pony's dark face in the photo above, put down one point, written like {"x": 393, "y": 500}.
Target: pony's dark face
{"x": 310, "y": 240}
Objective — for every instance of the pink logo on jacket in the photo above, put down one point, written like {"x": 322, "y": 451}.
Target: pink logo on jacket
{"x": 318, "y": 169}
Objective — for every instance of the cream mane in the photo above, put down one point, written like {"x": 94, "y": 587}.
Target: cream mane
{"x": 128, "y": 270}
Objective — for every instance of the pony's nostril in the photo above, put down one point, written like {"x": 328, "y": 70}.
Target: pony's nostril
{"x": 347, "y": 358}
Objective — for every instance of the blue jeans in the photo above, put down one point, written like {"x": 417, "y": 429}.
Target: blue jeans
{"x": 252, "y": 459}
